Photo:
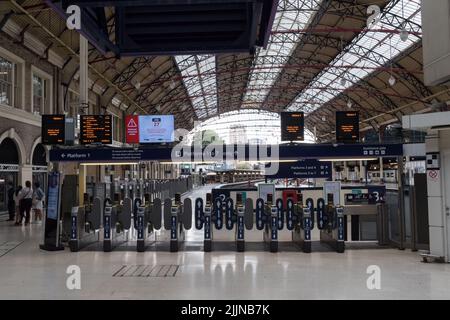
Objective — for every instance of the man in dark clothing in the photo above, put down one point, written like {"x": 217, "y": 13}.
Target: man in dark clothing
{"x": 11, "y": 203}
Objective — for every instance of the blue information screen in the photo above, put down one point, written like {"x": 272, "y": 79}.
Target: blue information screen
{"x": 53, "y": 196}
{"x": 156, "y": 129}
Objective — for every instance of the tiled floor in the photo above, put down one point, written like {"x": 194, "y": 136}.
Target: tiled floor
{"x": 27, "y": 272}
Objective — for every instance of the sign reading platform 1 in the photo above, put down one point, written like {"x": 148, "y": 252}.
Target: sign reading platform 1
{"x": 96, "y": 129}
{"x": 306, "y": 169}
{"x": 286, "y": 152}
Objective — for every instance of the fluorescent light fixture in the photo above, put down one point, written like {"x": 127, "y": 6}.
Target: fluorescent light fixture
{"x": 187, "y": 162}
{"x": 109, "y": 164}
{"x": 354, "y": 159}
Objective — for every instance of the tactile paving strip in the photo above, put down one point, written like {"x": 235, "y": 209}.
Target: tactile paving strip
{"x": 145, "y": 271}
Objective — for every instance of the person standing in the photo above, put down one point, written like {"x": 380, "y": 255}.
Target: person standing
{"x": 17, "y": 204}
{"x": 38, "y": 198}
{"x": 11, "y": 203}
{"x": 26, "y": 196}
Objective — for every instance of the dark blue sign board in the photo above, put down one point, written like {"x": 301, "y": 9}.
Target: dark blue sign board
{"x": 306, "y": 169}
{"x": 221, "y": 153}
{"x": 51, "y": 225}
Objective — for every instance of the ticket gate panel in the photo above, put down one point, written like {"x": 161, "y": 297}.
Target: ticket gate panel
{"x": 167, "y": 214}
{"x": 218, "y": 213}
{"x": 321, "y": 220}
{"x": 124, "y": 218}
{"x": 248, "y": 214}
{"x": 310, "y": 205}
{"x": 259, "y": 213}
{"x": 280, "y": 215}
{"x": 187, "y": 214}
{"x": 290, "y": 214}
{"x": 155, "y": 214}
{"x": 141, "y": 223}
{"x": 229, "y": 214}
{"x": 199, "y": 213}
{"x": 95, "y": 216}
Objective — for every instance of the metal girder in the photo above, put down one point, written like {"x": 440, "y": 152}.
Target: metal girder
{"x": 363, "y": 52}
{"x": 124, "y": 78}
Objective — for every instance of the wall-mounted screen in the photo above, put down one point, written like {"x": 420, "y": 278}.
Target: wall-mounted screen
{"x": 53, "y": 129}
{"x": 292, "y": 126}
{"x": 347, "y": 126}
{"x": 95, "y": 129}
{"x": 150, "y": 129}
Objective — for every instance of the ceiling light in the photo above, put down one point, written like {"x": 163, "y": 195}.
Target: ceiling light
{"x": 343, "y": 82}
{"x": 404, "y": 35}
{"x": 349, "y": 104}
{"x": 392, "y": 80}
{"x": 137, "y": 85}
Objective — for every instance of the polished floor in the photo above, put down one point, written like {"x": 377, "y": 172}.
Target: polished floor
{"x": 29, "y": 273}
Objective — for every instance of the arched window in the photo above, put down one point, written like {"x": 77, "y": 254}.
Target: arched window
{"x": 8, "y": 152}
{"x": 39, "y": 156}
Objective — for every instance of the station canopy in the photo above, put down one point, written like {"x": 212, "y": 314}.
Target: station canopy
{"x": 321, "y": 56}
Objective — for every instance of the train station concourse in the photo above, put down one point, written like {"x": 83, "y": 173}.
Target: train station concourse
{"x": 218, "y": 152}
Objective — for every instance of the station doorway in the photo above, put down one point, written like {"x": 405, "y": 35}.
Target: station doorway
{"x": 40, "y": 166}
{"x": 9, "y": 170}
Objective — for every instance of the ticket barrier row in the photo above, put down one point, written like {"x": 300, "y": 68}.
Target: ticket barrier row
{"x": 270, "y": 218}
{"x": 113, "y": 218}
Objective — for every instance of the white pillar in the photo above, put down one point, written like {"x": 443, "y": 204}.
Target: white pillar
{"x": 81, "y": 183}
{"x": 381, "y": 169}
{"x": 362, "y": 170}
{"x": 25, "y": 174}
{"x": 435, "y": 199}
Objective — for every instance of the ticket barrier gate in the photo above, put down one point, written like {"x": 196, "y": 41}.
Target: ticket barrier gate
{"x": 206, "y": 216}
{"x": 85, "y": 223}
{"x": 116, "y": 222}
{"x": 177, "y": 218}
{"x": 300, "y": 220}
{"x": 331, "y": 224}
{"x": 238, "y": 218}
{"x": 147, "y": 217}
{"x": 269, "y": 217}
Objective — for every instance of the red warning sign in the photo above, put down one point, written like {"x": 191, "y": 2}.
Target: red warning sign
{"x": 132, "y": 129}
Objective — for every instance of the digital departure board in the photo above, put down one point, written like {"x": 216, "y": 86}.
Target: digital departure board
{"x": 292, "y": 126}
{"x": 347, "y": 126}
{"x": 53, "y": 129}
{"x": 95, "y": 129}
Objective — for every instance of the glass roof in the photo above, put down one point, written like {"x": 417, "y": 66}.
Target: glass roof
{"x": 246, "y": 126}
{"x": 369, "y": 50}
{"x": 259, "y": 86}
{"x": 199, "y": 77}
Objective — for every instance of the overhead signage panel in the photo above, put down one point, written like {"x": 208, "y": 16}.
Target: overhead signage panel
{"x": 53, "y": 129}
{"x": 95, "y": 129}
{"x": 292, "y": 126}
{"x": 286, "y": 152}
{"x": 347, "y": 126}
{"x": 305, "y": 169}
